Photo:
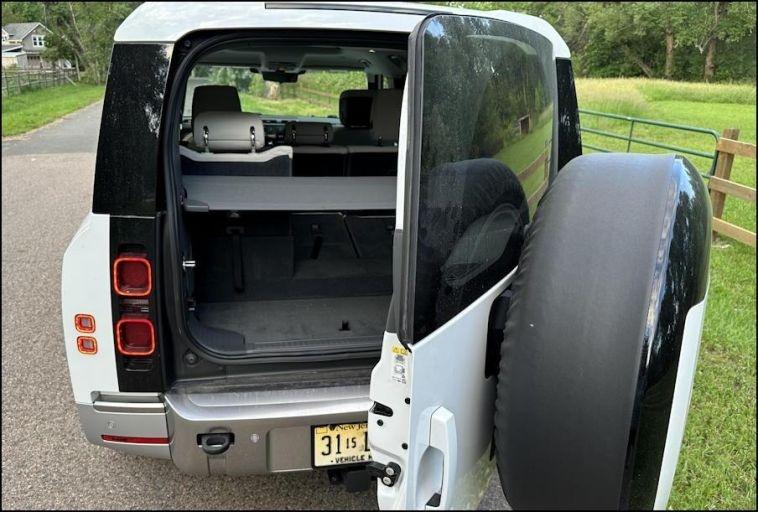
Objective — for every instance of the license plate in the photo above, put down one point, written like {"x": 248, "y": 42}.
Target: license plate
{"x": 337, "y": 445}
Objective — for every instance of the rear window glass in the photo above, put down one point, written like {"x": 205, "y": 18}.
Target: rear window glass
{"x": 486, "y": 134}
{"x": 315, "y": 94}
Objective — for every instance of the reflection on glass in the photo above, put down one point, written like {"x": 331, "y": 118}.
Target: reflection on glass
{"x": 486, "y": 139}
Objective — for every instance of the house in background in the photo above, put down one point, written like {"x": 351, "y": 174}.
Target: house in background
{"x": 23, "y": 44}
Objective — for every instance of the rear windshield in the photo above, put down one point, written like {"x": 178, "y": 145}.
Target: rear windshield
{"x": 315, "y": 94}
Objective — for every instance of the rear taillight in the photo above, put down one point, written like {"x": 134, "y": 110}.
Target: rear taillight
{"x": 84, "y": 323}
{"x": 135, "y": 284}
{"x": 86, "y": 345}
{"x": 132, "y": 275}
{"x": 135, "y": 336}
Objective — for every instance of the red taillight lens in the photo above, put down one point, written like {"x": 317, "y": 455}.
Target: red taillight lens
{"x": 135, "y": 336}
{"x": 132, "y": 276}
{"x": 137, "y": 440}
{"x": 84, "y": 323}
{"x": 86, "y": 345}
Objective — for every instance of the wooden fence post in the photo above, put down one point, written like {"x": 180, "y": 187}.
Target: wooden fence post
{"x": 723, "y": 170}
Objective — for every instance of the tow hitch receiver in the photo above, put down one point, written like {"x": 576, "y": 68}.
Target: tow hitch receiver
{"x": 356, "y": 479}
{"x": 215, "y": 443}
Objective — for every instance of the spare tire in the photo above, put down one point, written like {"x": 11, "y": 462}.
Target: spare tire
{"x": 615, "y": 259}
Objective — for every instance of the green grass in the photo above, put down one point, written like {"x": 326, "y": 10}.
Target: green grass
{"x": 284, "y": 107}
{"x": 717, "y": 464}
{"x": 32, "y": 109}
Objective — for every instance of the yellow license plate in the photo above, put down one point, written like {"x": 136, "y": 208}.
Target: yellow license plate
{"x": 336, "y": 445}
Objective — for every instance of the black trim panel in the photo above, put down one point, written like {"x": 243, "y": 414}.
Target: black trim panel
{"x": 569, "y": 134}
{"x": 138, "y": 374}
{"x": 128, "y": 148}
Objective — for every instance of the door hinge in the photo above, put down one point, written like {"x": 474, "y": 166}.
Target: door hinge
{"x": 387, "y": 474}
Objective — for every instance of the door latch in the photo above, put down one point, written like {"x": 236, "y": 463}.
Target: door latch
{"x": 386, "y": 473}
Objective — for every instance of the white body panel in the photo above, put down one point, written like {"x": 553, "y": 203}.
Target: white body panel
{"x": 86, "y": 288}
{"x": 448, "y": 423}
{"x": 168, "y": 22}
{"x": 685, "y": 378}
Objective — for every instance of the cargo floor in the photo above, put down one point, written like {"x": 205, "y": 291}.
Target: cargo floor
{"x": 301, "y": 323}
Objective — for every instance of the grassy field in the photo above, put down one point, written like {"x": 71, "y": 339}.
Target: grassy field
{"x": 717, "y": 464}
{"x": 284, "y": 107}
{"x": 32, "y": 109}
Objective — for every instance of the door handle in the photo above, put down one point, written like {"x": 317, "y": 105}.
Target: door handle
{"x": 443, "y": 437}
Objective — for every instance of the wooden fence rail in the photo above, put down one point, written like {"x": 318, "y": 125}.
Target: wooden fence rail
{"x": 721, "y": 187}
{"x": 15, "y": 81}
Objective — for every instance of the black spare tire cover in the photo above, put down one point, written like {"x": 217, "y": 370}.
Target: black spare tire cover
{"x": 616, "y": 256}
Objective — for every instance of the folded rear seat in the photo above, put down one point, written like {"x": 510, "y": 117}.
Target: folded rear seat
{"x": 313, "y": 152}
{"x": 233, "y": 144}
{"x": 379, "y": 158}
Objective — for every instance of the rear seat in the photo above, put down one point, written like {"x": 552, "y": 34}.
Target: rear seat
{"x": 355, "y": 116}
{"x": 215, "y": 97}
{"x": 227, "y": 143}
{"x": 380, "y": 157}
{"x": 211, "y": 97}
{"x": 313, "y": 152}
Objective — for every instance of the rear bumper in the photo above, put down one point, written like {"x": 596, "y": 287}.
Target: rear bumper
{"x": 272, "y": 429}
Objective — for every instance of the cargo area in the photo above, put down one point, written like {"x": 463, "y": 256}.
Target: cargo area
{"x": 285, "y": 223}
{"x": 275, "y": 283}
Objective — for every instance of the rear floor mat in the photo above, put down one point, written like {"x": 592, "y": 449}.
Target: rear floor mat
{"x": 293, "y": 323}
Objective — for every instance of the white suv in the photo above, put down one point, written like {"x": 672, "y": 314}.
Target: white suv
{"x": 408, "y": 286}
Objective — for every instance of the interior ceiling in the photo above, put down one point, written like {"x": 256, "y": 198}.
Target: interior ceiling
{"x": 294, "y": 59}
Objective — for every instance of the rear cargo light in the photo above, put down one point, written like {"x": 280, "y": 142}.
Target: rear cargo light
{"x": 84, "y": 323}
{"x": 132, "y": 276}
{"x": 135, "y": 336}
{"x": 86, "y": 345}
{"x": 135, "y": 440}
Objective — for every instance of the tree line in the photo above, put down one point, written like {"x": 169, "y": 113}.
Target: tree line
{"x": 710, "y": 41}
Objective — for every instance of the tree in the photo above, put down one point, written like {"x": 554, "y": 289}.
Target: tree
{"x": 710, "y": 23}
{"x": 23, "y": 12}
{"x": 667, "y": 39}
{"x": 83, "y": 31}
{"x": 80, "y": 31}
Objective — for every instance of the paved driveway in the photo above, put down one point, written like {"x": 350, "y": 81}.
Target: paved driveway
{"x": 47, "y": 181}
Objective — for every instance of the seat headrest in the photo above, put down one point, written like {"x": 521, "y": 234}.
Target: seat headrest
{"x": 225, "y": 132}
{"x": 299, "y": 133}
{"x": 385, "y": 115}
{"x": 355, "y": 108}
{"x": 215, "y": 97}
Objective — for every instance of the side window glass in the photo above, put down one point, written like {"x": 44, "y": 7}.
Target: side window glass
{"x": 315, "y": 94}
{"x": 486, "y": 141}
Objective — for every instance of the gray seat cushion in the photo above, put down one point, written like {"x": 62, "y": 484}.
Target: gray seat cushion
{"x": 385, "y": 116}
{"x": 215, "y": 97}
{"x": 219, "y": 132}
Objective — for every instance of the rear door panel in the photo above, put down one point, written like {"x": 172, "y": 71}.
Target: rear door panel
{"x": 479, "y": 116}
